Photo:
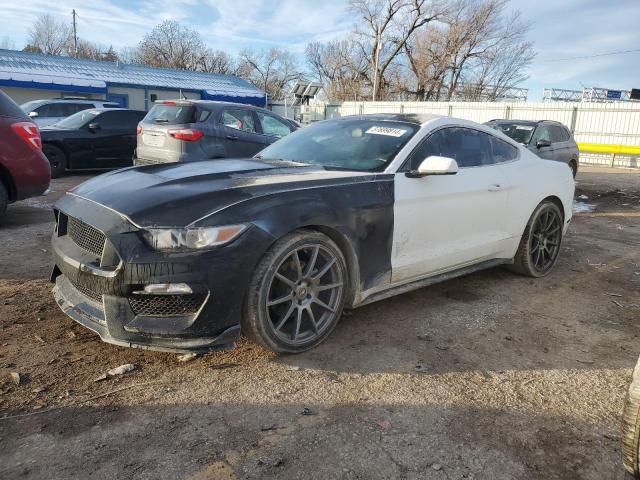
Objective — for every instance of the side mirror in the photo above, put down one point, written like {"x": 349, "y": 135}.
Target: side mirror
{"x": 94, "y": 126}
{"x": 543, "y": 143}
{"x": 33, "y": 114}
{"x": 435, "y": 165}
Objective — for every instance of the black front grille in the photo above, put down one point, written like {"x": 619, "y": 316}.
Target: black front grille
{"x": 85, "y": 236}
{"x": 87, "y": 292}
{"x": 165, "y": 305}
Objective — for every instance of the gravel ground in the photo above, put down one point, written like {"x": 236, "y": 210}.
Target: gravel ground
{"x": 490, "y": 376}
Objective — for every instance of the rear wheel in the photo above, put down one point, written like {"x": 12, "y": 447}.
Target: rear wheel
{"x": 573, "y": 165}
{"x": 57, "y": 158}
{"x": 297, "y": 294}
{"x": 540, "y": 243}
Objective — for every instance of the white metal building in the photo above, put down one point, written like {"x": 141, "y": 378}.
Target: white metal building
{"x": 28, "y": 76}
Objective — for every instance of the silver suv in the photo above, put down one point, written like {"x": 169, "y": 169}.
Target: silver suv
{"x": 49, "y": 111}
{"x": 190, "y": 130}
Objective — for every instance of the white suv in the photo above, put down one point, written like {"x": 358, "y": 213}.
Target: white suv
{"x": 52, "y": 110}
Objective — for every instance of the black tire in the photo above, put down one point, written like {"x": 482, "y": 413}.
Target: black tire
{"x": 4, "y": 198}
{"x": 573, "y": 165}
{"x": 57, "y": 159}
{"x": 541, "y": 241}
{"x": 293, "y": 305}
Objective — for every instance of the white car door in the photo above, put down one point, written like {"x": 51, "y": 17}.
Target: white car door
{"x": 443, "y": 222}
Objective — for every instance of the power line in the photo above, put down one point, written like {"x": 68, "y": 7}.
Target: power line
{"x": 620, "y": 52}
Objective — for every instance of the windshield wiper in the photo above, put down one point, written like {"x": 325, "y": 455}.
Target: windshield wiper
{"x": 161, "y": 120}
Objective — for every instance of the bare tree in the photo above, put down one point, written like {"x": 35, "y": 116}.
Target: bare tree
{"x": 338, "y": 66}
{"x": 47, "y": 35}
{"x": 475, "y": 50}
{"x": 217, "y": 61}
{"x": 170, "y": 45}
{"x": 272, "y": 70}
{"x": 7, "y": 43}
{"x": 387, "y": 26}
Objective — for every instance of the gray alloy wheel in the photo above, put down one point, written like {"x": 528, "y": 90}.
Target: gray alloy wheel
{"x": 297, "y": 294}
{"x": 540, "y": 243}
{"x": 57, "y": 158}
{"x": 4, "y": 198}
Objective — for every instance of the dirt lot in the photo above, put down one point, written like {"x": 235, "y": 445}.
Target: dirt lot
{"x": 491, "y": 376}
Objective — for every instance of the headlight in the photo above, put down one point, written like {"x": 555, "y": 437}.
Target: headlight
{"x": 191, "y": 238}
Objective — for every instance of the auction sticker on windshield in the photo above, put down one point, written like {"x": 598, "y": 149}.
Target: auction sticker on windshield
{"x": 388, "y": 131}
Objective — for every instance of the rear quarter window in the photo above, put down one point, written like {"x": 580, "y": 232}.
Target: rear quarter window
{"x": 9, "y": 108}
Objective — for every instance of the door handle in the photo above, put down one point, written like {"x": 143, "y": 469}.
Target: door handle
{"x": 495, "y": 187}
{"x": 232, "y": 137}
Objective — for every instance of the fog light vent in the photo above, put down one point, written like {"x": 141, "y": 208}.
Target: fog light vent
{"x": 166, "y": 305}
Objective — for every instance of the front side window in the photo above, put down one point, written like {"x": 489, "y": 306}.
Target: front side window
{"x": 469, "y": 148}
{"x": 345, "y": 144}
{"x": 273, "y": 126}
{"x": 238, "y": 119}
{"x": 542, "y": 133}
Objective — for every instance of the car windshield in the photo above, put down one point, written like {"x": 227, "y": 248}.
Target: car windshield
{"x": 520, "y": 132}
{"x": 78, "y": 120}
{"x": 349, "y": 144}
{"x": 30, "y": 106}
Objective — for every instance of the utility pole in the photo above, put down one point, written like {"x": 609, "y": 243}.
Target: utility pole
{"x": 75, "y": 34}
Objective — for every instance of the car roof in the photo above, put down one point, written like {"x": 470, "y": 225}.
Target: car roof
{"x": 74, "y": 100}
{"x": 415, "y": 118}
{"x": 524, "y": 122}
{"x": 101, "y": 110}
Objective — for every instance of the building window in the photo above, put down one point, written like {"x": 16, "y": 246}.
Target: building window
{"x": 153, "y": 97}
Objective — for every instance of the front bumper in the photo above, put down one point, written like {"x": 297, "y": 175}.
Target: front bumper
{"x": 99, "y": 291}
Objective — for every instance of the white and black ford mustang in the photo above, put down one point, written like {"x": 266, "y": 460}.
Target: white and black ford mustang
{"x": 338, "y": 214}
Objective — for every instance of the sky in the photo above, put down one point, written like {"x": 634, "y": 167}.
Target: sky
{"x": 561, "y": 29}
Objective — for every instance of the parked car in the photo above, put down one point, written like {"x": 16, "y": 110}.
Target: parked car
{"x": 340, "y": 213}
{"x": 189, "y": 130}
{"x": 100, "y": 138}
{"x": 49, "y": 111}
{"x": 547, "y": 139}
{"x": 24, "y": 170}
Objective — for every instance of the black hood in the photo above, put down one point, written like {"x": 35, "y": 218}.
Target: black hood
{"x": 178, "y": 194}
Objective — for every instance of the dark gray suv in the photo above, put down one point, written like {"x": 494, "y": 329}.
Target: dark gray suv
{"x": 190, "y": 130}
{"x": 546, "y": 138}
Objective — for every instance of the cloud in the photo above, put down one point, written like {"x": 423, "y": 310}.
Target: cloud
{"x": 571, "y": 28}
{"x": 230, "y": 25}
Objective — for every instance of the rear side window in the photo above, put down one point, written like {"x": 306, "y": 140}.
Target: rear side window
{"x": 558, "y": 134}
{"x": 78, "y": 107}
{"x": 502, "y": 151}
{"x": 238, "y": 119}
{"x": 9, "y": 108}
{"x": 272, "y": 126}
{"x": 171, "y": 114}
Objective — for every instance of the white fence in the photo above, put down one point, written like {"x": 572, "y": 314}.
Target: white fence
{"x": 613, "y": 129}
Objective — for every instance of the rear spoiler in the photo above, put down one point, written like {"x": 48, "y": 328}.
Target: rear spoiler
{"x": 173, "y": 102}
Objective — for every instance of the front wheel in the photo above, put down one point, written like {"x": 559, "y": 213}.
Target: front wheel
{"x": 540, "y": 243}
{"x": 57, "y": 159}
{"x": 297, "y": 294}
